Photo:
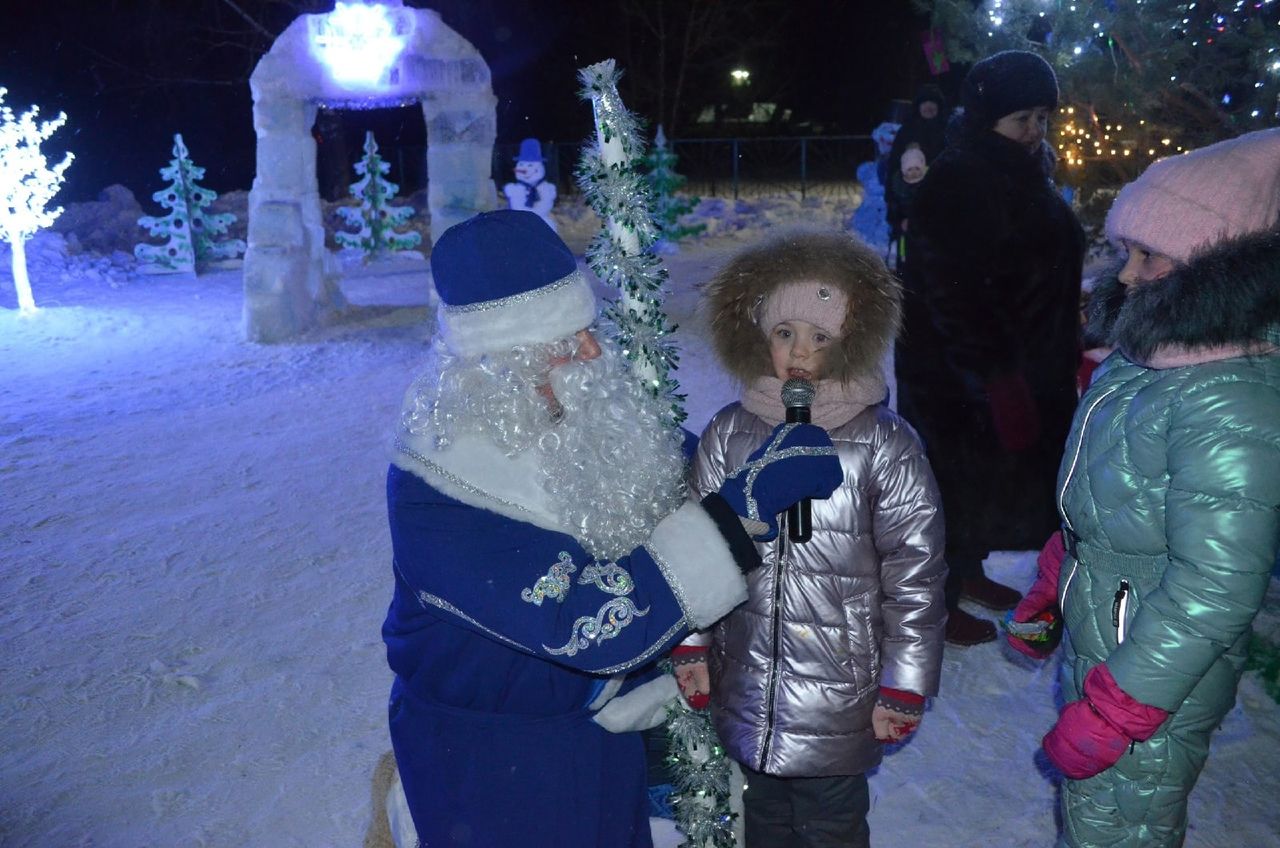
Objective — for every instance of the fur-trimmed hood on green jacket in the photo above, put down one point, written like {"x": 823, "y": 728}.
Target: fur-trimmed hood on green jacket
{"x": 1227, "y": 297}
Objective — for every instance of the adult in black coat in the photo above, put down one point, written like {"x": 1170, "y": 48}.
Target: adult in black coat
{"x": 990, "y": 345}
{"x": 924, "y": 127}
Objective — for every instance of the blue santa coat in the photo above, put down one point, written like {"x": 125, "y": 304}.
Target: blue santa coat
{"x": 501, "y": 634}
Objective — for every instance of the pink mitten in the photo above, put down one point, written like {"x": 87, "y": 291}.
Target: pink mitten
{"x": 1092, "y": 733}
{"x": 1040, "y": 603}
{"x": 897, "y": 714}
{"x": 690, "y": 665}
{"x": 1013, "y": 412}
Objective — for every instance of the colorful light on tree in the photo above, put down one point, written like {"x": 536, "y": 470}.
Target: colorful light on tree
{"x": 359, "y": 42}
{"x": 27, "y": 184}
{"x": 1140, "y": 79}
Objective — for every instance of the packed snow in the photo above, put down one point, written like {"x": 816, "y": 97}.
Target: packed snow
{"x": 196, "y": 566}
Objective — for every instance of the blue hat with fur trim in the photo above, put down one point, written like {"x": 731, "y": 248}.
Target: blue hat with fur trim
{"x": 530, "y": 151}
{"x": 505, "y": 279}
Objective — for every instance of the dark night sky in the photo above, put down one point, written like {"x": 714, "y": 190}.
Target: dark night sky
{"x": 130, "y": 73}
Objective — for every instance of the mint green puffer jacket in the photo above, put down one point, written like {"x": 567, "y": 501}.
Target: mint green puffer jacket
{"x": 1170, "y": 497}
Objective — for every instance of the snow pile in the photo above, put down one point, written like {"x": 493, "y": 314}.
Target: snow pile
{"x": 57, "y": 263}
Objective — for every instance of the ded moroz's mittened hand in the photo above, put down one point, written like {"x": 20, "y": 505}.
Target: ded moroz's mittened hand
{"x": 797, "y": 461}
{"x": 1092, "y": 734}
{"x": 1040, "y": 604}
{"x": 897, "y": 714}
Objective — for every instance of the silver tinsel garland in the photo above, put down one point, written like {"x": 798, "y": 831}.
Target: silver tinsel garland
{"x": 621, "y": 256}
{"x": 619, "y": 194}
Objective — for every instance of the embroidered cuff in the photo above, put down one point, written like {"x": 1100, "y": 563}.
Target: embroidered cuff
{"x": 901, "y": 701}
{"x": 688, "y": 654}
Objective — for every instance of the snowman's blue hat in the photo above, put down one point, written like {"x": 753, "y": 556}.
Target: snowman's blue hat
{"x": 530, "y": 151}
{"x": 504, "y": 279}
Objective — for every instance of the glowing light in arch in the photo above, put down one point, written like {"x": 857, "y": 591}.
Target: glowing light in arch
{"x": 359, "y": 42}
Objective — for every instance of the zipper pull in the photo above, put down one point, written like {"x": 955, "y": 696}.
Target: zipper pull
{"x": 1116, "y": 604}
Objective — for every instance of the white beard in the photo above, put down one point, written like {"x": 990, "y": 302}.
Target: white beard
{"x": 611, "y": 464}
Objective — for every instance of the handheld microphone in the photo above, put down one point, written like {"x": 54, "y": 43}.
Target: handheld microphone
{"x": 797, "y": 395}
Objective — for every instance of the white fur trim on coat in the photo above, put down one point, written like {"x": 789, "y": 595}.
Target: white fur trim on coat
{"x": 695, "y": 559}
{"x": 537, "y": 317}
{"x": 640, "y": 709}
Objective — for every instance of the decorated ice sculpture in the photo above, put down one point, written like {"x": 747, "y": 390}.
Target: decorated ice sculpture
{"x": 27, "y": 184}
{"x": 531, "y": 190}
{"x": 375, "y": 217}
{"x": 189, "y": 231}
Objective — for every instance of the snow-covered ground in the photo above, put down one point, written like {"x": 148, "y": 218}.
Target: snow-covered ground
{"x": 196, "y": 566}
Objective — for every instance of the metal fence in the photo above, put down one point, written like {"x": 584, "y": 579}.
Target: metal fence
{"x": 803, "y": 166}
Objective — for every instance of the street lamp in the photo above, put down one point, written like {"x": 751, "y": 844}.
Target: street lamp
{"x": 740, "y": 76}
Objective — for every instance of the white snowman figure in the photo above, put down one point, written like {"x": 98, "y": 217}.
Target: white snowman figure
{"x": 531, "y": 191}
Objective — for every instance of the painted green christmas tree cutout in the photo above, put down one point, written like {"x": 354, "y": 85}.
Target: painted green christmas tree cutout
{"x": 669, "y": 206}
{"x": 375, "y": 217}
{"x": 190, "y": 232}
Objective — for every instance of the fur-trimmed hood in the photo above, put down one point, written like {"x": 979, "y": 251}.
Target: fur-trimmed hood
{"x": 1228, "y": 296}
{"x": 734, "y": 294}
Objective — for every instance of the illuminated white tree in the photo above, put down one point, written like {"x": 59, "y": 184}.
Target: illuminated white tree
{"x": 27, "y": 184}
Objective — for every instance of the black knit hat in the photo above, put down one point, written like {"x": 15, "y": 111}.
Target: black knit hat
{"x": 930, "y": 93}
{"x": 1008, "y": 82}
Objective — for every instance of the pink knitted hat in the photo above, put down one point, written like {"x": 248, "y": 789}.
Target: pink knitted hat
{"x": 821, "y": 304}
{"x": 1184, "y": 204}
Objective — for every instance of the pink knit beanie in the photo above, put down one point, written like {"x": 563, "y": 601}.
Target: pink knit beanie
{"x": 1184, "y": 204}
{"x": 821, "y": 304}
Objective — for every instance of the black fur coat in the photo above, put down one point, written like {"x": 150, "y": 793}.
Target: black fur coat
{"x": 991, "y": 297}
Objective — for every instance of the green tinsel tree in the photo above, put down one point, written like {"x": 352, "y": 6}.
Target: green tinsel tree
{"x": 669, "y": 206}
{"x": 189, "y": 230}
{"x": 622, "y": 256}
{"x": 1140, "y": 79}
{"x": 375, "y": 217}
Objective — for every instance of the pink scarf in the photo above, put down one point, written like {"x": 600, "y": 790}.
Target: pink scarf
{"x": 834, "y": 403}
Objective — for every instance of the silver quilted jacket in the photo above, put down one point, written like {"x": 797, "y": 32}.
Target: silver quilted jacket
{"x": 795, "y": 671}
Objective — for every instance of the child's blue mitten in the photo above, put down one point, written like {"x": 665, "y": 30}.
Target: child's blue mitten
{"x": 797, "y": 461}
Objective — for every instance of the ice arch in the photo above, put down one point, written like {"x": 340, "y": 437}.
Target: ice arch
{"x": 290, "y": 279}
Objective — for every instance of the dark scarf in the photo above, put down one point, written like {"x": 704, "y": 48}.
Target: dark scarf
{"x": 532, "y": 197}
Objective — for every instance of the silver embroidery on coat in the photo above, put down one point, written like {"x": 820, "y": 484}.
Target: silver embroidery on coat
{"x": 663, "y": 642}
{"x": 554, "y": 584}
{"x": 610, "y": 577}
{"x": 440, "y": 603}
{"x": 606, "y": 624}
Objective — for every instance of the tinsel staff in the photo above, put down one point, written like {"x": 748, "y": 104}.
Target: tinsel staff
{"x": 620, "y": 254}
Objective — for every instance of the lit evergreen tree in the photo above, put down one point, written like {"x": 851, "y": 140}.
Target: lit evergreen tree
{"x": 375, "y": 217}
{"x": 1140, "y": 79}
{"x": 189, "y": 230}
{"x": 27, "y": 184}
{"x": 669, "y": 206}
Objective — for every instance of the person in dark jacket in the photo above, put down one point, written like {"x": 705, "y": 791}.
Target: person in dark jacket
{"x": 987, "y": 360}
{"x": 1169, "y": 492}
{"x": 925, "y": 127}
{"x": 899, "y": 197}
